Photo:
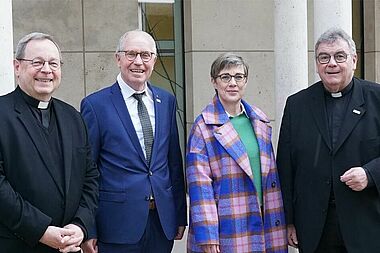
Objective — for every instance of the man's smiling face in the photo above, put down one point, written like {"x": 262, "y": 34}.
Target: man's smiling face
{"x": 38, "y": 83}
{"x": 136, "y": 72}
{"x": 336, "y": 76}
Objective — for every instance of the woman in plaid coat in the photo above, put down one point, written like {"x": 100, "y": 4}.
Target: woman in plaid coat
{"x": 235, "y": 197}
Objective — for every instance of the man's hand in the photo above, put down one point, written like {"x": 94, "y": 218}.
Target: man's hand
{"x": 56, "y": 237}
{"x": 292, "y": 236}
{"x": 90, "y": 246}
{"x": 72, "y": 242}
{"x": 355, "y": 178}
{"x": 180, "y": 231}
{"x": 210, "y": 248}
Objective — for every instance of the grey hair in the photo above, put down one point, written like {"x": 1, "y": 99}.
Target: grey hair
{"x": 123, "y": 39}
{"x": 20, "y": 48}
{"x": 226, "y": 61}
{"x": 332, "y": 35}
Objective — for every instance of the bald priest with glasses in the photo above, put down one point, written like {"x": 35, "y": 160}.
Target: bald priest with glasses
{"x": 329, "y": 155}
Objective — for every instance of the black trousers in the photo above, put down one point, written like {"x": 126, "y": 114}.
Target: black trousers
{"x": 331, "y": 239}
{"x": 153, "y": 240}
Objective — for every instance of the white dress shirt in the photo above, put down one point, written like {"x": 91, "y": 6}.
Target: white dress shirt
{"x": 131, "y": 104}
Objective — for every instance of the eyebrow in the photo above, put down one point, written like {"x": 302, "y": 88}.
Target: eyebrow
{"x": 341, "y": 51}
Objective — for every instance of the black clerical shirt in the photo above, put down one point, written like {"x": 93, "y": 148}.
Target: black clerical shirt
{"x": 336, "y": 107}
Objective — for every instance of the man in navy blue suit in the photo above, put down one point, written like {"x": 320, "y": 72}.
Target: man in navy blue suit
{"x": 134, "y": 136}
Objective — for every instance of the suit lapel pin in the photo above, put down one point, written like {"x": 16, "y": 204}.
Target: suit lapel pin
{"x": 158, "y": 99}
{"x": 356, "y": 111}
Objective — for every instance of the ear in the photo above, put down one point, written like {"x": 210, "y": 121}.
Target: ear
{"x": 16, "y": 66}
{"x": 213, "y": 82}
{"x": 154, "y": 59}
{"x": 354, "y": 60}
{"x": 117, "y": 59}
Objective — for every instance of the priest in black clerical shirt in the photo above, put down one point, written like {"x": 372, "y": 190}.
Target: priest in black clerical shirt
{"x": 328, "y": 155}
{"x": 48, "y": 182}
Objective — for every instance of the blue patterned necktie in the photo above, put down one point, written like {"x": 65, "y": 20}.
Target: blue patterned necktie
{"x": 145, "y": 124}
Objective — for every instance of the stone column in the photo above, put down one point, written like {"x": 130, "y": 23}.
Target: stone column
{"x": 371, "y": 40}
{"x": 6, "y": 48}
{"x": 290, "y": 49}
{"x": 331, "y": 13}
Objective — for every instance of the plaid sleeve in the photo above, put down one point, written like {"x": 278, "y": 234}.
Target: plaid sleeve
{"x": 203, "y": 211}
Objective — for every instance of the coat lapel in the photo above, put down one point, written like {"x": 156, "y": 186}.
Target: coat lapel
{"x": 121, "y": 109}
{"x": 317, "y": 108}
{"x": 157, "y": 116}
{"x": 263, "y": 134}
{"x": 355, "y": 111}
{"x": 27, "y": 119}
{"x": 226, "y": 134}
{"x": 67, "y": 145}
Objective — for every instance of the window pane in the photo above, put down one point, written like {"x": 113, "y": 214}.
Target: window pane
{"x": 163, "y": 72}
{"x": 159, "y": 19}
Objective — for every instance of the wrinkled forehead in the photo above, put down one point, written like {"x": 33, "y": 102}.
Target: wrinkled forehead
{"x": 41, "y": 48}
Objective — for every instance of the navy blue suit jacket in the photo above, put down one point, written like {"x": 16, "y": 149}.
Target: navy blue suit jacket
{"x": 126, "y": 180}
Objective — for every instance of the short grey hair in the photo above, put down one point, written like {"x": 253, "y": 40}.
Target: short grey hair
{"x": 20, "y": 48}
{"x": 332, "y": 35}
{"x": 226, "y": 61}
{"x": 123, "y": 39}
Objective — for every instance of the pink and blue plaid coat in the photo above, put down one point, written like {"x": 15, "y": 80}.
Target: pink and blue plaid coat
{"x": 224, "y": 207}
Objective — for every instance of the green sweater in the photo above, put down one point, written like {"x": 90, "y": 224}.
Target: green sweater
{"x": 244, "y": 128}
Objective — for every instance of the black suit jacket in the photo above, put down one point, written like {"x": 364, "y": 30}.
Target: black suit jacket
{"x": 30, "y": 195}
{"x": 308, "y": 166}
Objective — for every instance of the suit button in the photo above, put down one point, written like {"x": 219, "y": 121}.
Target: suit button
{"x": 324, "y": 211}
{"x": 277, "y": 223}
{"x": 273, "y": 184}
{"x": 328, "y": 182}
{"x": 150, "y": 173}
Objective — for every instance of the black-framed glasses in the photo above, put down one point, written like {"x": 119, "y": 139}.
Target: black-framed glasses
{"x": 226, "y": 78}
{"x": 144, "y": 55}
{"x": 39, "y": 63}
{"x": 340, "y": 57}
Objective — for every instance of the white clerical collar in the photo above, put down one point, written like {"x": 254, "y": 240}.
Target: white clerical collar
{"x": 43, "y": 105}
{"x": 336, "y": 94}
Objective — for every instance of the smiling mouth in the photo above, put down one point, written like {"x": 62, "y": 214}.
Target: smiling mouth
{"x": 140, "y": 71}
{"x": 43, "y": 80}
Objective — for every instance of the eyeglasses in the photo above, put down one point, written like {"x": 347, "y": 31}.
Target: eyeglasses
{"x": 226, "y": 78}
{"x": 339, "y": 57}
{"x": 131, "y": 55}
{"x": 39, "y": 63}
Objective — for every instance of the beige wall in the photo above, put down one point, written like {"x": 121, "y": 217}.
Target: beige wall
{"x": 221, "y": 26}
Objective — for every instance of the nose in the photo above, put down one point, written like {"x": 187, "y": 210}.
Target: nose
{"x": 232, "y": 81}
{"x": 46, "y": 67}
{"x": 138, "y": 59}
{"x": 332, "y": 61}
